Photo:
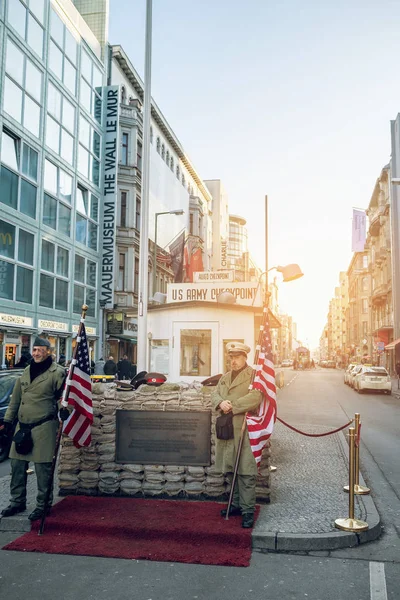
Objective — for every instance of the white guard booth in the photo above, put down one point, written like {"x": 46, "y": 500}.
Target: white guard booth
{"x": 189, "y": 332}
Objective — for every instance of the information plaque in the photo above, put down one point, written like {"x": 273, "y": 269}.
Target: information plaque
{"x": 157, "y": 437}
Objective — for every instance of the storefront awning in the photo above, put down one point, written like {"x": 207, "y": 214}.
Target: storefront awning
{"x": 392, "y": 345}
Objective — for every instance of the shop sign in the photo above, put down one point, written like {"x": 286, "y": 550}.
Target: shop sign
{"x": 130, "y": 327}
{"x": 109, "y": 191}
{"x": 12, "y": 338}
{"x": 246, "y": 294}
{"x": 89, "y": 330}
{"x": 15, "y": 320}
{"x": 56, "y": 325}
{"x": 218, "y": 276}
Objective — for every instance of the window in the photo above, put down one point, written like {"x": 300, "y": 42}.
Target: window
{"x": 151, "y": 135}
{"x": 171, "y": 164}
{"x": 57, "y": 198}
{"x": 123, "y": 209}
{"x": 167, "y": 157}
{"x": 60, "y": 124}
{"x": 195, "y": 359}
{"x": 123, "y": 95}
{"x": 158, "y": 145}
{"x": 163, "y": 151}
{"x": 22, "y": 89}
{"x": 365, "y": 305}
{"x": 137, "y": 217}
{"x": 124, "y": 149}
{"x": 54, "y": 271}
{"x": 28, "y": 22}
{"x": 365, "y": 328}
{"x": 191, "y": 223}
{"x": 364, "y": 284}
{"x": 177, "y": 172}
{"x": 90, "y": 86}
{"x": 16, "y": 271}
{"x": 85, "y": 276}
{"x": 365, "y": 262}
{"x": 62, "y": 53}
{"x": 89, "y": 151}
{"x": 121, "y": 273}
{"x": 136, "y": 277}
{"x": 87, "y": 218}
{"x": 139, "y": 156}
{"x": 18, "y": 183}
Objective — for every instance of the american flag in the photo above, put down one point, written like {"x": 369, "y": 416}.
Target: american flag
{"x": 261, "y": 424}
{"x": 78, "y": 425}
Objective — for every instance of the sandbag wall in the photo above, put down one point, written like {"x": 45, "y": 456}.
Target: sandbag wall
{"x": 93, "y": 470}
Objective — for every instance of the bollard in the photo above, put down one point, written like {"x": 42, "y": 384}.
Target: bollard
{"x": 351, "y": 524}
{"x": 359, "y": 490}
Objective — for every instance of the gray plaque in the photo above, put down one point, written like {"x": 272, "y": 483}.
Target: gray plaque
{"x": 156, "y": 437}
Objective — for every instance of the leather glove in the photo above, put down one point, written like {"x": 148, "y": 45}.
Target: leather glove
{"x": 64, "y": 414}
{"x": 7, "y": 428}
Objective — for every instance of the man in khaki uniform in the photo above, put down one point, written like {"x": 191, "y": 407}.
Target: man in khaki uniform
{"x": 35, "y": 402}
{"x": 233, "y": 395}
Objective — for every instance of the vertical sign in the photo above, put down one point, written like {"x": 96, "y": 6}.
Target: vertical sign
{"x": 109, "y": 189}
{"x": 358, "y": 231}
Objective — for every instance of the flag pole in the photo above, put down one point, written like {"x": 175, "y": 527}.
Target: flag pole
{"x": 243, "y": 429}
{"x": 64, "y": 404}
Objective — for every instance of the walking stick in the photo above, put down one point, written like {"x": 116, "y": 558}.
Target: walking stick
{"x": 243, "y": 429}
{"x": 64, "y": 403}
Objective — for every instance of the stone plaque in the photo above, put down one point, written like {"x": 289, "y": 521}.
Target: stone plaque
{"x": 157, "y": 437}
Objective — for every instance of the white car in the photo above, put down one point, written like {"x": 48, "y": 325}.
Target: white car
{"x": 352, "y": 374}
{"x": 373, "y": 378}
{"x": 286, "y": 363}
{"x": 347, "y": 372}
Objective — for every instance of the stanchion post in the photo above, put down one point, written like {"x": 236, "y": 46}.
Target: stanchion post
{"x": 359, "y": 490}
{"x": 350, "y": 523}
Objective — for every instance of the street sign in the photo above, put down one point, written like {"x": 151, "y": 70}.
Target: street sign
{"x": 380, "y": 346}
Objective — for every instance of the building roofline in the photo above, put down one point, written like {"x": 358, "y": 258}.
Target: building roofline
{"x": 122, "y": 59}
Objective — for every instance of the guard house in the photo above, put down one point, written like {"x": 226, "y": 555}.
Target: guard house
{"x": 189, "y": 329}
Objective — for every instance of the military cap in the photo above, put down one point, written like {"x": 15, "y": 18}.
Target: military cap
{"x": 211, "y": 381}
{"x": 41, "y": 342}
{"x": 155, "y": 379}
{"x": 237, "y": 348}
{"x": 138, "y": 380}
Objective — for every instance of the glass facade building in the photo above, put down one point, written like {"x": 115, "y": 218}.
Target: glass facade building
{"x": 50, "y": 174}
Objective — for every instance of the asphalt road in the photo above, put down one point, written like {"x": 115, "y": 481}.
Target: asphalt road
{"x": 368, "y": 572}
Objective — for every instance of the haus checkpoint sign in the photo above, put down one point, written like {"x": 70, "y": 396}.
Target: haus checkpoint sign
{"x": 246, "y": 294}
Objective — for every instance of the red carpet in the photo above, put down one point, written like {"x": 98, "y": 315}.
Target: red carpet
{"x": 162, "y": 530}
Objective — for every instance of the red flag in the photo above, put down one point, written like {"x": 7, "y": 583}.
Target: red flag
{"x": 78, "y": 426}
{"x": 261, "y": 424}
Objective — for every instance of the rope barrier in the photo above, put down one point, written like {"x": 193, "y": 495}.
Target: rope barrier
{"x": 314, "y": 434}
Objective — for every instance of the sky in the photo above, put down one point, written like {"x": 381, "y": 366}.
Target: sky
{"x": 285, "y": 98}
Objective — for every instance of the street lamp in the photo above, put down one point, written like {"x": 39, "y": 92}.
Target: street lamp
{"x": 167, "y": 212}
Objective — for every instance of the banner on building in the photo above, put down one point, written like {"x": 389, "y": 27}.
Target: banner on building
{"x": 193, "y": 258}
{"x": 110, "y": 194}
{"x": 358, "y": 230}
{"x": 176, "y": 250}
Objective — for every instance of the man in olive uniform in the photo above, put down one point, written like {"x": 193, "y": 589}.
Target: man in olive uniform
{"x": 35, "y": 402}
{"x": 233, "y": 395}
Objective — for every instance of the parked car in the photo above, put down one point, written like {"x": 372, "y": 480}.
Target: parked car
{"x": 373, "y": 379}
{"x": 286, "y": 363}
{"x": 331, "y": 364}
{"x": 347, "y": 372}
{"x": 7, "y": 382}
{"x": 353, "y": 373}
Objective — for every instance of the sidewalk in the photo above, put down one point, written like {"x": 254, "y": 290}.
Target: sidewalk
{"x": 395, "y": 386}
{"x": 307, "y": 497}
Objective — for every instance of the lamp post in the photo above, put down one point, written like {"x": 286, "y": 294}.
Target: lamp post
{"x": 167, "y": 212}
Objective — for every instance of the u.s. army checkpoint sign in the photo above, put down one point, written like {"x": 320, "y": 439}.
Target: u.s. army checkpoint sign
{"x": 246, "y": 294}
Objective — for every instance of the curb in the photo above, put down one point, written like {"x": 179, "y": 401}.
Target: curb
{"x": 332, "y": 540}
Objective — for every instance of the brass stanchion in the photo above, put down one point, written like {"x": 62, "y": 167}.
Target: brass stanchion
{"x": 359, "y": 490}
{"x": 350, "y": 523}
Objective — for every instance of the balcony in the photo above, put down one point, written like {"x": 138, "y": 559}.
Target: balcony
{"x": 379, "y": 294}
{"x": 381, "y": 255}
